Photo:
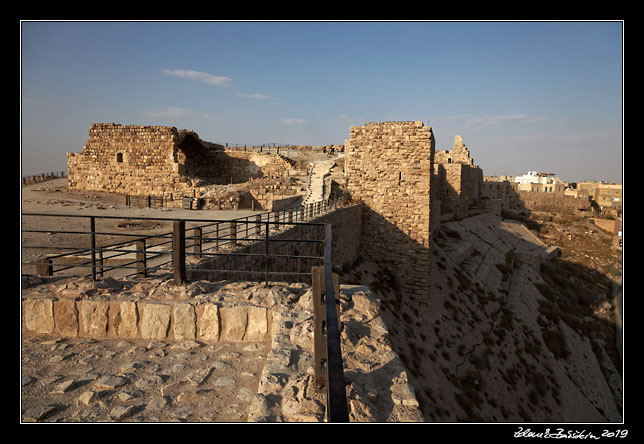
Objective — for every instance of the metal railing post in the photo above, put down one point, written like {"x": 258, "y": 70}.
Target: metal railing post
{"x": 141, "y": 262}
{"x": 266, "y": 256}
{"x": 92, "y": 228}
{"x": 179, "y": 251}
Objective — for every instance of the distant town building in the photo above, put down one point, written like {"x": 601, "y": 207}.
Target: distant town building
{"x": 607, "y": 195}
{"x": 536, "y": 182}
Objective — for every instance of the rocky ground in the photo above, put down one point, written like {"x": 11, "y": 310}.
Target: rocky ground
{"x": 582, "y": 242}
{"x": 107, "y": 379}
{"x": 86, "y": 380}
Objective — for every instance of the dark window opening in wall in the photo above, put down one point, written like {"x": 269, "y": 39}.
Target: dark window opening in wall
{"x": 399, "y": 177}
{"x": 449, "y": 160}
{"x": 119, "y": 157}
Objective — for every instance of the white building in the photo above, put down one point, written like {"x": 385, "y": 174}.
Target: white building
{"x": 535, "y": 177}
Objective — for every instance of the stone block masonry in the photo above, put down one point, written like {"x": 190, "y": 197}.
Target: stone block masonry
{"x": 160, "y": 161}
{"x": 145, "y": 319}
{"x": 459, "y": 181}
{"x": 130, "y": 159}
{"x": 389, "y": 169}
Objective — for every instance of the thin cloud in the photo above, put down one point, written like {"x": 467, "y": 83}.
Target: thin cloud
{"x": 349, "y": 119}
{"x": 292, "y": 121}
{"x": 199, "y": 76}
{"x": 256, "y": 96}
{"x": 498, "y": 119}
{"x": 176, "y": 113}
{"x": 476, "y": 121}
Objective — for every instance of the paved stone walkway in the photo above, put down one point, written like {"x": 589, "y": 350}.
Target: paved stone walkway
{"x": 85, "y": 380}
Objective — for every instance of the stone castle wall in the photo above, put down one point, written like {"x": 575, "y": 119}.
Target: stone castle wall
{"x": 161, "y": 161}
{"x": 389, "y": 167}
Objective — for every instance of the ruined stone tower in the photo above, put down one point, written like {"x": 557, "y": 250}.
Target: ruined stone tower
{"x": 459, "y": 182}
{"x": 389, "y": 169}
{"x": 160, "y": 160}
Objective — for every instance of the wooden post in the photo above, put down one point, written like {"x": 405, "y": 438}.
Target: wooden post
{"x": 198, "y": 241}
{"x": 258, "y": 225}
{"x": 179, "y": 251}
{"x": 100, "y": 262}
{"x": 319, "y": 328}
{"x": 233, "y": 230}
{"x": 44, "y": 267}
{"x": 141, "y": 262}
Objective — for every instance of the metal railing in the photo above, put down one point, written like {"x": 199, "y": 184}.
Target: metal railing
{"x": 95, "y": 253}
{"x": 214, "y": 238}
{"x": 327, "y": 352}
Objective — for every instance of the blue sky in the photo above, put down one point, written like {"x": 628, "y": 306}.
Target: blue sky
{"x": 544, "y": 96}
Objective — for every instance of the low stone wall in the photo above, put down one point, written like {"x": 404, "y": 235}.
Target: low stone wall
{"x": 611, "y": 225}
{"x": 278, "y": 204}
{"x": 147, "y": 319}
{"x": 551, "y": 202}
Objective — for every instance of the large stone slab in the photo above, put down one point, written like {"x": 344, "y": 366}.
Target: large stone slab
{"x": 155, "y": 321}
{"x": 66, "y": 317}
{"x": 125, "y": 319}
{"x": 38, "y": 315}
{"x": 234, "y": 321}
{"x": 209, "y": 323}
{"x": 185, "y": 321}
{"x": 257, "y": 324}
{"x": 93, "y": 318}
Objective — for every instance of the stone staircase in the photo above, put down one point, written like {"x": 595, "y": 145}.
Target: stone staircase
{"x": 316, "y": 186}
